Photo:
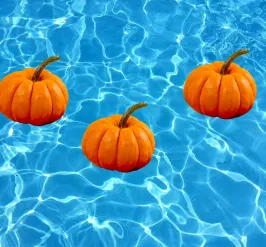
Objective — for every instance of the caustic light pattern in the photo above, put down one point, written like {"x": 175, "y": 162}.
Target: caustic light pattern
{"x": 205, "y": 183}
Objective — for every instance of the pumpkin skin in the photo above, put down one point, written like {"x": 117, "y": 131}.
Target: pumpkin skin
{"x": 123, "y": 149}
{"x": 226, "y": 96}
{"x": 37, "y": 103}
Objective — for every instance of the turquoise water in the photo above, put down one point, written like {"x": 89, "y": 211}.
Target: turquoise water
{"x": 205, "y": 185}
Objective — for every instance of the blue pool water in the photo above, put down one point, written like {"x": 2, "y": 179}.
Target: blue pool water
{"x": 205, "y": 185}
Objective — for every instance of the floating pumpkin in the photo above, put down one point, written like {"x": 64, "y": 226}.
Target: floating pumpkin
{"x": 221, "y": 89}
{"x": 33, "y": 96}
{"x": 121, "y": 143}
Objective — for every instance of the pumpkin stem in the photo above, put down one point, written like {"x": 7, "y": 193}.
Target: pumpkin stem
{"x": 42, "y": 66}
{"x": 229, "y": 60}
{"x": 130, "y": 111}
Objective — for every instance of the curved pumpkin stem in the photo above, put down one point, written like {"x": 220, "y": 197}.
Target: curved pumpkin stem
{"x": 42, "y": 66}
{"x": 228, "y": 62}
{"x": 129, "y": 112}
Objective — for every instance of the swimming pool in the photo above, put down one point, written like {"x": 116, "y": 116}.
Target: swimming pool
{"x": 205, "y": 185}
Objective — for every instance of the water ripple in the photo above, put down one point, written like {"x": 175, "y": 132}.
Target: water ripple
{"x": 206, "y": 183}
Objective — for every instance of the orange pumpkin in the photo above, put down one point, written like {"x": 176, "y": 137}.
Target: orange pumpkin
{"x": 221, "y": 89}
{"x": 121, "y": 143}
{"x": 33, "y": 96}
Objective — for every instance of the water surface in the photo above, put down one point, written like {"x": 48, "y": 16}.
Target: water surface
{"x": 205, "y": 185}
